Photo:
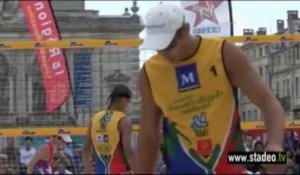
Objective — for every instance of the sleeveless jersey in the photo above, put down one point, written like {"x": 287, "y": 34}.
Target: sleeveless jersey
{"x": 201, "y": 122}
{"x": 45, "y": 167}
{"x": 108, "y": 150}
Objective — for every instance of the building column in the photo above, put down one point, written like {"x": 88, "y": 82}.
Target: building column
{"x": 30, "y": 95}
{"x": 11, "y": 95}
{"x": 63, "y": 108}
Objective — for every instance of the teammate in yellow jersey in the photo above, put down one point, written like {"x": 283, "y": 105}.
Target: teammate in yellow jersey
{"x": 109, "y": 137}
{"x": 192, "y": 81}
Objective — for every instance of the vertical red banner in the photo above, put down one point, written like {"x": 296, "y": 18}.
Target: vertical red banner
{"x": 43, "y": 27}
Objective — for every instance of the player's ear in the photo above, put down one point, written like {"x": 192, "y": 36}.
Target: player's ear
{"x": 186, "y": 28}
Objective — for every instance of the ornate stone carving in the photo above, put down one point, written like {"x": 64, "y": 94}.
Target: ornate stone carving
{"x": 134, "y": 7}
{"x": 116, "y": 77}
{"x": 9, "y": 11}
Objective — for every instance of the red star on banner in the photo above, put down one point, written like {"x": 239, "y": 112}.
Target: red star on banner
{"x": 205, "y": 10}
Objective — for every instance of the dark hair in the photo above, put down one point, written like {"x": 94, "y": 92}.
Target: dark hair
{"x": 28, "y": 138}
{"x": 61, "y": 161}
{"x": 257, "y": 143}
{"x": 119, "y": 92}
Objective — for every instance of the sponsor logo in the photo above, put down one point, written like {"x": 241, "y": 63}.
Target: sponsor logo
{"x": 37, "y": 45}
{"x": 110, "y": 43}
{"x": 293, "y": 124}
{"x": 105, "y": 120}
{"x": 205, "y": 10}
{"x": 102, "y": 138}
{"x": 200, "y": 127}
{"x": 62, "y": 131}
{"x": 27, "y": 132}
{"x": 3, "y": 46}
{"x": 187, "y": 77}
{"x": 156, "y": 26}
{"x": 75, "y": 44}
{"x": 260, "y": 126}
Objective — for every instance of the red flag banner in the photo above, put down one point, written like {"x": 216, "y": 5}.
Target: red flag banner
{"x": 52, "y": 65}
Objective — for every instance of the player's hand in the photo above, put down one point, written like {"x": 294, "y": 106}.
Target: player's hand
{"x": 88, "y": 170}
{"x": 274, "y": 168}
{"x": 129, "y": 172}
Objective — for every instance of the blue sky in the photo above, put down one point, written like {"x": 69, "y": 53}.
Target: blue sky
{"x": 246, "y": 14}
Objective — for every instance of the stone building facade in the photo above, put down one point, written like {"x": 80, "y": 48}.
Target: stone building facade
{"x": 22, "y": 100}
{"x": 278, "y": 64}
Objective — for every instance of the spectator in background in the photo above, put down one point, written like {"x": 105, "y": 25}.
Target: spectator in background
{"x": 3, "y": 159}
{"x": 248, "y": 142}
{"x": 12, "y": 169}
{"x": 3, "y": 164}
{"x": 259, "y": 146}
{"x": 290, "y": 170}
{"x": 78, "y": 160}
{"x": 290, "y": 142}
{"x": 291, "y": 167}
{"x": 289, "y": 154}
{"x": 4, "y": 169}
{"x": 62, "y": 168}
{"x": 8, "y": 168}
{"x": 256, "y": 168}
{"x": 61, "y": 155}
{"x": 68, "y": 148}
{"x": 297, "y": 159}
{"x": 28, "y": 151}
{"x": 12, "y": 152}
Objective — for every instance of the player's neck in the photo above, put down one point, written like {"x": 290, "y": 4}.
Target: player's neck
{"x": 192, "y": 45}
{"x": 51, "y": 142}
{"x": 116, "y": 107}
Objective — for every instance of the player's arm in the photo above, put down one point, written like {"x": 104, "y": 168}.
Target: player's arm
{"x": 40, "y": 154}
{"x": 244, "y": 76}
{"x": 125, "y": 129}
{"x": 148, "y": 140}
{"x": 86, "y": 153}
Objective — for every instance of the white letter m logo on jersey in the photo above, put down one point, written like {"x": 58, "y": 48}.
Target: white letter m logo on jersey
{"x": 187, "y": 77}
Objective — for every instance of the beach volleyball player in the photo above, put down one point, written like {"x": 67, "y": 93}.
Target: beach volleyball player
{"x": 192, "y": 81}
{"x": 43, "y": 160}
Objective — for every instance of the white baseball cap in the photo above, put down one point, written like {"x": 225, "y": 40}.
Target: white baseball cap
{"x": 161, "y": 25}
{"x": 65, "y": 137}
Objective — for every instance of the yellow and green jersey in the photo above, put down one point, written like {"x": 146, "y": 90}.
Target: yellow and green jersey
{"x": 201, "y": 122}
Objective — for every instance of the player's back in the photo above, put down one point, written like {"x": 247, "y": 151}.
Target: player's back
{"x": 45, "y": 167}
{"x": 108, "y": 150}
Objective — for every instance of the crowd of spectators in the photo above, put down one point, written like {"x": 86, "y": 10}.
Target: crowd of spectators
{"x": 14, "y": 158}
{"x": 291, "y": 146}
{"x": 68, "y": 159}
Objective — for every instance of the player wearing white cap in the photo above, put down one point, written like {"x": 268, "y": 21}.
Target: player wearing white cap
{"x": 43, "y": 160}
{"x": 192, "y": 81}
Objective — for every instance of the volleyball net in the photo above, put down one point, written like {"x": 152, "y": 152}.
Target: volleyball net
{"x": 92, "y": 69}
{"x": 31, "y": 111}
